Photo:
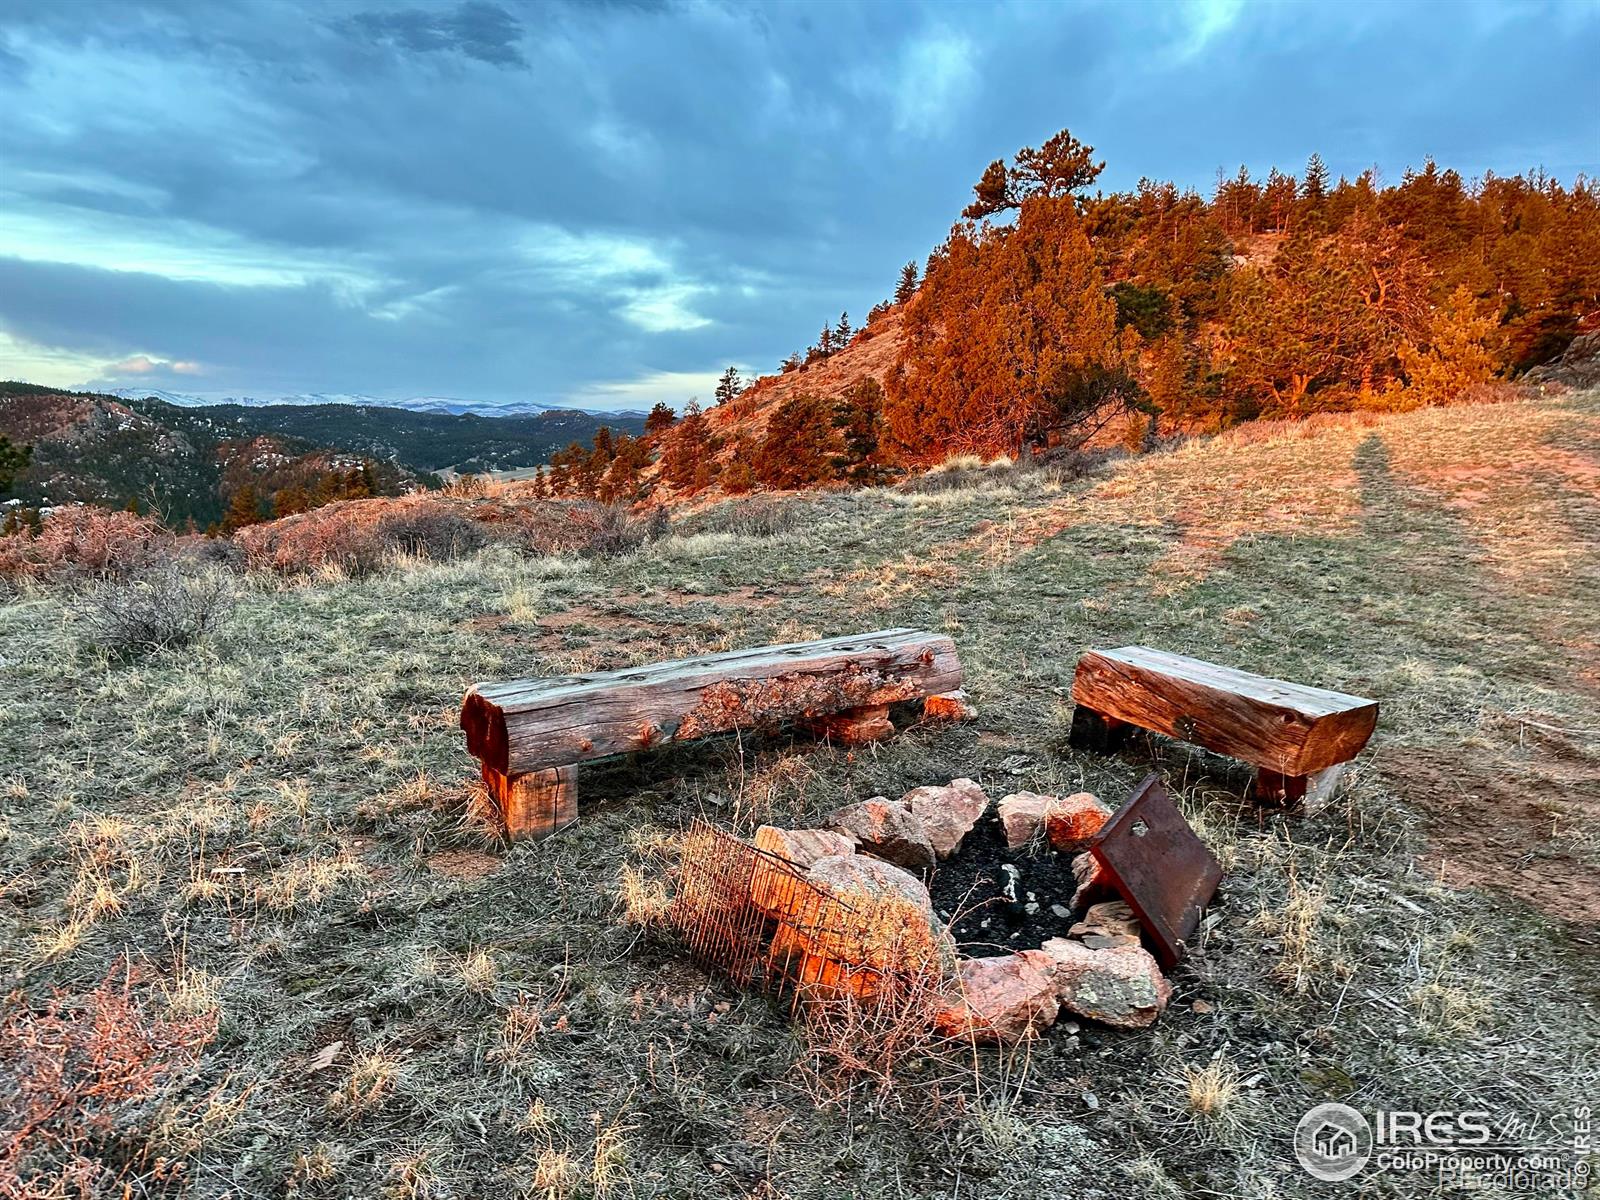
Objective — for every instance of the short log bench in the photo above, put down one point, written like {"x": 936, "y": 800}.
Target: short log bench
{"x": 1287, "y": 731}
{"x": 530, "y": 734}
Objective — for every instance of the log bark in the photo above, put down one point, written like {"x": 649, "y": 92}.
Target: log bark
{"x": 526, "y": 725}
{"x": 1286, "y": 728}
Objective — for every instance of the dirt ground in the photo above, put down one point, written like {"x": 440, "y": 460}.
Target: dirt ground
{"x": 268, "y": 831}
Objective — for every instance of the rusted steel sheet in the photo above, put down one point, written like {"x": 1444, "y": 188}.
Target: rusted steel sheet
{"x": 1159, "y": 866}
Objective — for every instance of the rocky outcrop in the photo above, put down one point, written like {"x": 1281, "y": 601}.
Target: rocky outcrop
{"x": 1116, "y": 985}
{"x": 947, "y": 812}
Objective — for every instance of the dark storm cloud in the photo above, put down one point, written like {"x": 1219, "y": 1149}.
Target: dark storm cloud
{"x": 500, "y": 200}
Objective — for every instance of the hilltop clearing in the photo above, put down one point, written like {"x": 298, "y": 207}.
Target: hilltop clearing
{"x": 270, "y": 823}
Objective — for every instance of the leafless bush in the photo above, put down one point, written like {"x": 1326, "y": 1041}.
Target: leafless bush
{"x": 1058, "y": 466}
{"x": 756, "y": 516}
{"x": 162, "y": 609}
{"x": 360, "y": 536}
{"x": 83, "y": 542}
{"x": 611, "y": 530}
{"x": 73, "y": 1080}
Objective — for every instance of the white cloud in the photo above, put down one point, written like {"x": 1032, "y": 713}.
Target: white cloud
{"x": 52, "y": 366}
{"x": 934, "y": 77}
{"x": 674, "y": 388}
{"x": 143, "y": 364}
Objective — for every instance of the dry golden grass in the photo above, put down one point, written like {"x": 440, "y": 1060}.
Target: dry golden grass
{"x": 256, "y": 816}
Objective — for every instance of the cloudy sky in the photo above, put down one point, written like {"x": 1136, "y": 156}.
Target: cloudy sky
{"x": 604, "y": 203}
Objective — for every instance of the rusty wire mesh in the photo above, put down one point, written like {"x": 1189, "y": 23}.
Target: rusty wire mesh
{"x": 754, "y": 917}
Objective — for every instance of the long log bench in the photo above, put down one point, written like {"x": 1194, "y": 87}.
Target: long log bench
{"x": 1297, "y": 737}
{"x": 530, "y": 734}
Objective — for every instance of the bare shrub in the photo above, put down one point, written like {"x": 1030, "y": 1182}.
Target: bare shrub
{"x": 758, "y": 516}
{"x": 74, "y": 1081}
{"x": 969, "y": 473}
{"x": 83, "y": 542}
{"x": 161, "y": 609}
{"x": 360, "y": 536}
{"x": 585, "y": 527}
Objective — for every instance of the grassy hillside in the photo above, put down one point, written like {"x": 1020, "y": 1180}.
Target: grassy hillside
{"x": 270, "y": 824}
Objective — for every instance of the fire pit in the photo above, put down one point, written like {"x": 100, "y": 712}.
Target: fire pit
{"x": 997, "y": 912}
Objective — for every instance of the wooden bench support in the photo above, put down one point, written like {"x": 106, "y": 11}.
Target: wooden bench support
{"x": 854, "y": 726}
{"x": 1095, "y": 731}
{"x": 536, "y": 804}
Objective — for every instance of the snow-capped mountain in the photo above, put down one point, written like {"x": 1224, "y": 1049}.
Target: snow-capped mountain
{"x": 435, "y": 404}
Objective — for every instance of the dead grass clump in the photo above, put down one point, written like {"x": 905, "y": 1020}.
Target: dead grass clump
{"x": 83, "y": 542}
{"x": 588, "y": 528}
{"x": 162, "y": 609}
{"x": 74, "y": 1078}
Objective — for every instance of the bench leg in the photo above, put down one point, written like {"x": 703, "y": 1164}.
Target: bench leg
{"x": 854, "y": 726}
{"x": 1270, "y": 787}
{"x": 534, "y": 805}
{"x": 948, "y": 706}
{"x": 1095, "y": 731}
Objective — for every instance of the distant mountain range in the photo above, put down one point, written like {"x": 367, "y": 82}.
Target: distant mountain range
{"x": 425, "y": 404}
{"x": 185, "y": 459}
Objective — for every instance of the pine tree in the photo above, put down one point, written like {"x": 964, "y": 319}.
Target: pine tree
{"x": 12, "y": 460}
{"x": 660, "y": 419}
{"x": 1314, "y": 187}
{"x": 842, "y": 332}
{"x": 729, "y": 386}
{"x": 244, "y": 508}
{"x": 687, "y": 448}
{"x": 800, "y": 444}
{"x": 907, "y": 287}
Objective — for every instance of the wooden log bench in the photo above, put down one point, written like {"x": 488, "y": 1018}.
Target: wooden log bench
{"x": 1297, "y": 737}
{"x": 531, "y": 734}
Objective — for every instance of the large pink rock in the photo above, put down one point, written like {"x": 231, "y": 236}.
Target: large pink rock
{"x": 947, "y": 812}
{"x": 864, "y": 917}
{"x": 1002, "y": 1000}
{"x": 849, "y": 875}
{"x": 1022, "y": 814}
{"x": 1072, "y": 822}
{"x": 773, "y": 886}
{"x": 1117, "y": 985}
{"x": 886, "y": 829}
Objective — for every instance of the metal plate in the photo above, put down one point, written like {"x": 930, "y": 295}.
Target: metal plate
{"x": 1159, "y": 866}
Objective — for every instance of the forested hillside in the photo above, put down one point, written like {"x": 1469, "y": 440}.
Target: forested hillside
{"x": 424, "y": 441}
{"x": 180, "y": 465}
{"x": 1050, "y": 314}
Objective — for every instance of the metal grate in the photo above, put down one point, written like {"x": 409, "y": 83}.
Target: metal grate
{"x": 754, "y": 917}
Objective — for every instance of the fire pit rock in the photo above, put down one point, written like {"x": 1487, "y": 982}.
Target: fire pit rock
{"x": 1116, "y": 985}
{"x": 772, "y": 886}
{"x": 888, "y": 830}
{"x": 1071, "y": 822}
{"x": 1094, "y": 882}
{"x": 1022, "y": 814}
{"x": 1002, "y": 1000}
{"x": 1110, "y": 923}
{"x": 947, "y": 812}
